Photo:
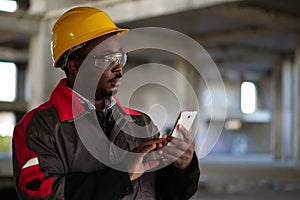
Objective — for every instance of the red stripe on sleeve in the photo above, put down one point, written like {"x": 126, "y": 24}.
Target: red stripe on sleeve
{"x": 23, "y": 154}
{"x": 31, "y": 173}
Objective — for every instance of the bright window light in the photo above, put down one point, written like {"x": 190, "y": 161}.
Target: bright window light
{"x": 8, "y": 5}
{"x": 248, "y": 97}
{"x": 7, "y": 81}
{"x": 7, "y": 123}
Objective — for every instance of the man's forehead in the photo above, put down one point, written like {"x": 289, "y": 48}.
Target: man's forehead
{"x": 107, "y": 44}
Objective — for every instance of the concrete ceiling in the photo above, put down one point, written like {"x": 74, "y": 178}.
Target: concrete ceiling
{"x": 244, "y": 36}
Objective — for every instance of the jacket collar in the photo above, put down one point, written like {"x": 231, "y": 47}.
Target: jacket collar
{"x": 69, "y": 106}
{"x": 66, "y": 102}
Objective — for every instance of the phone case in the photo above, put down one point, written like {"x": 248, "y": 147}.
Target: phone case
{"x": 186, "y": 119}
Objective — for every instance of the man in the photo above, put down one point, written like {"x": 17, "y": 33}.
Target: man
{"x": 51, "y": 158}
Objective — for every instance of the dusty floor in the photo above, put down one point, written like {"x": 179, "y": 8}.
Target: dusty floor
{"x": 268, "y": 195}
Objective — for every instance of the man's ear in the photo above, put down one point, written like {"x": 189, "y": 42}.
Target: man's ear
{"x": 73, "y": 67}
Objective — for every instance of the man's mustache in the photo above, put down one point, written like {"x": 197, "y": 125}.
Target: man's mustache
{"x": 118, "y": 75}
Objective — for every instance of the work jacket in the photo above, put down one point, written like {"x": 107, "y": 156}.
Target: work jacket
{"x": 66, "y": 150}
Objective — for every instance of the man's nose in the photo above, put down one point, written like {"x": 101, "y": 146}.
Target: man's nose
{"x": 117, "y": 67}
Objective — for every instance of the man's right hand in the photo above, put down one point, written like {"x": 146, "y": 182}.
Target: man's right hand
{"x": 136, "y": 166}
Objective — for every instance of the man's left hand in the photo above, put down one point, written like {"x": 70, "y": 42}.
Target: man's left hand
{"x": 180, "y": 150}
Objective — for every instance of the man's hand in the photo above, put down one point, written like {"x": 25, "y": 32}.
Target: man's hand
{"x": 135, "y": 165}
{"x": 180, "y": 150}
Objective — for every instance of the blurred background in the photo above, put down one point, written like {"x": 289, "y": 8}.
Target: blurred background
{"x": 256, "y": 47}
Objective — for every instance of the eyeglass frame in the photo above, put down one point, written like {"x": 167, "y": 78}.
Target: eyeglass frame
{"x": 82, "y": 57}
{"x": 119, "y": 57}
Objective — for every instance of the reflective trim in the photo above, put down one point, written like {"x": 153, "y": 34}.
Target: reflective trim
{"x": 31, "y": 162}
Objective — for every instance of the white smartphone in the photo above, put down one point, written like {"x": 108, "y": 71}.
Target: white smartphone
{"x": 185, "y": 119}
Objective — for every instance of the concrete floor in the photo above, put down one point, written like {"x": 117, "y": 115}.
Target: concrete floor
{"x": 202, "y": 195}
{"x": 275, "y": 195}
{"x": 267, "y": 195}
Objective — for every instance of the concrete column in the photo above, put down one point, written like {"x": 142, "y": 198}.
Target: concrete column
{"x": 277, "y": 112}
{"x": 37, "y": 6}
{"x": 287, "y": 110}
{"x": 41, "y": 73}
{"x": 297, "y": 128}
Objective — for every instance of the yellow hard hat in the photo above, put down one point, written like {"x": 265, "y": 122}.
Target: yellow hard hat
{"x": 77, "y": 26}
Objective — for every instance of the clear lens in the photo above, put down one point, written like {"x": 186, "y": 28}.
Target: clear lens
{"x": 104, "y": 61}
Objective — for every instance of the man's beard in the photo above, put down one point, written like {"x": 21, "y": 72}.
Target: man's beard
{"x": 104, "y": 94}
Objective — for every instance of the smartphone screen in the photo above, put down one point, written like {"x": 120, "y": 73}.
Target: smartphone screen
{"x": 185, "y": 119}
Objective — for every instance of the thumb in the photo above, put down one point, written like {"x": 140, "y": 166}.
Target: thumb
{"x": 151, "y": 164}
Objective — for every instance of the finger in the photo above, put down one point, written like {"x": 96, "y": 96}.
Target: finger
{"x": 178, "y": 152}
{"x": 168, "y": 156}
{"x": 172, "y": 151}
{"x": 187, "y": 148}
{"x": 141, "y": 155}
{"x": 179, "y": 143}
{"x": 151, "y": 142}
{"x": 165, "y": 136}
{"x": 186, "y": 134}
{"x": 148, "y": 143}
{"x": 146, "y": 149}
{"x": 186, "y": 138}
{"x": 151, "y": 164}
{"x": 169, "y": 137}
{"x": 179, "y": 161}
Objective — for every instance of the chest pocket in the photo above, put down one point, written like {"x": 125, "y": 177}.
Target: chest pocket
{"x": 121, "y": 141}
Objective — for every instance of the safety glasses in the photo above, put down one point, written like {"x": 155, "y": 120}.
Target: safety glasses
{"x": 113, "y": 58}
{"x": 99, "y": 60}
